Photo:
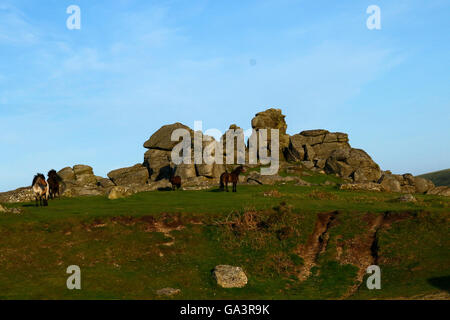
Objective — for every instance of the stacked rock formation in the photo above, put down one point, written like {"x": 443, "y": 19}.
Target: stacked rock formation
{"x": 81, "y": 181}
{"x": 158, "y": 158}
{"x": 332, "y": 152}
{"x": 317, "y": 150}
{"x": 272, "y": 119}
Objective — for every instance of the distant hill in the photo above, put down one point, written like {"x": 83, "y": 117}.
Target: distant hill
{"x": 439, "y": 178}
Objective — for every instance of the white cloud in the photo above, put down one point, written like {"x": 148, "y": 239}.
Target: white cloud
{"x": 14, "y": 27}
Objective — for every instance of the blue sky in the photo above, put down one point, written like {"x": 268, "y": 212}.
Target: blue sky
{"x": 94, "y": 95}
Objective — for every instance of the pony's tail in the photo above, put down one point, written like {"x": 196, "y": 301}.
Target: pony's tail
{"x": 47, "y": 193}
{"x": 222, "y": 185}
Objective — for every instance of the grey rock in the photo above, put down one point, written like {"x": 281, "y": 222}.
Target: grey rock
{"x": 369, "y": 186}
{"x": 158, "y": 164}
{"x": 407, "y": 198}
{"x": 119, "y": 192}
{"x": 308, "y": 164}
{"x": 390, "y": 184}
{"x": 422, "y": 185}
{"x": 272, "y": 119}
{"x": 161, "y": 139}
{"x": 135, "y": 175}
{"x": 230, "y": 276}
{"x": 168, "y": 292}
{"x": 185, "y": 171}
{"x": 67, "y": 174}
{"x": 105, "y": 183}
{"x": 310, "y": 154}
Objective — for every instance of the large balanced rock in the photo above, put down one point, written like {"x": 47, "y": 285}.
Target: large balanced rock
{"x": 135, "y": 175}
{"x": 229, "y": 276}
{"x": 161, "y": 139}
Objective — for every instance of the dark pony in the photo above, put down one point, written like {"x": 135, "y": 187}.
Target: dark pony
{"x": 232, "y": 177}
{"x": 174, "y": 180}
{"x": 53, "y": 181}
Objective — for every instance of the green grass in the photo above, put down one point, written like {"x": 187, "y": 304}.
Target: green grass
{"x": 439, "y": 178}
{"x": 123, "y": 256}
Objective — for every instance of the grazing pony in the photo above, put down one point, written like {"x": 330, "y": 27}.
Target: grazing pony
{"x": 174, "y": 180}
{"x": 53, "y": 182}
{"x": 40, "y": 189}
{"x": 231, "y": 177}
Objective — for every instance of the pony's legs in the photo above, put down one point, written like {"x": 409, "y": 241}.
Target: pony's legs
{"x": 226, "y": 185}
{"x": 234, "y": 186}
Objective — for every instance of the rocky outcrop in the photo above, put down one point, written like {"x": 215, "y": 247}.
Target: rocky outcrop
{"x": 332, "y": 152}
{"x": 158, "y": 162}
{"x": 405, "y": 183}
{"x": 440, "y": 191}
{"x": 389, "y": 182}
{"x": 131, "y": 176}
{"x": 18, "y": 195}
{"x": 317, "y": 150}
{"x": 81, "y": 181}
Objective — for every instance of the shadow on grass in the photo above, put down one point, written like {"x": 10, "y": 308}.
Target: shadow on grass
{"x": 442, "y": 283}
{"x": 28, "y": 205}
{"x": 165, "y": 189}
{"x": 216, "y": 190}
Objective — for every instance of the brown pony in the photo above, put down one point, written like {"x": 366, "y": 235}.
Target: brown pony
{"x": 231, "y": 177}
{"x": 53, "y": 181}
{"x": 40, "y": 189}
{"x": 174, "y": 180}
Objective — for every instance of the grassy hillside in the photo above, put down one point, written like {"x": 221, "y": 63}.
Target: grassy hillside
{"x": 439, "y": 178}
{"x": 129, "y": 248}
